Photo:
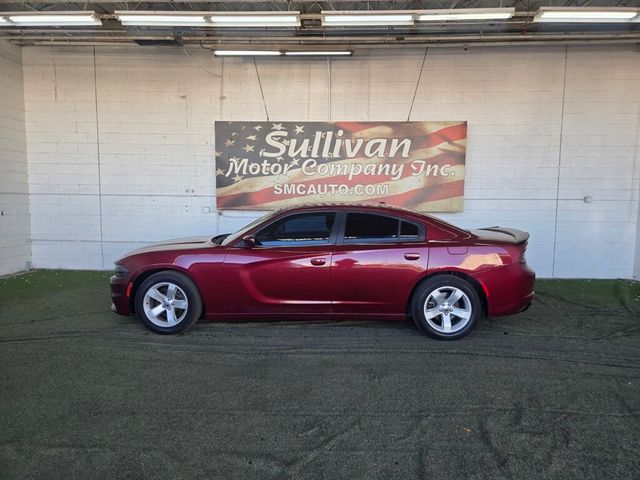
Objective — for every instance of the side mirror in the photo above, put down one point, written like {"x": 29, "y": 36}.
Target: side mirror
{"x": 249, "y": 241}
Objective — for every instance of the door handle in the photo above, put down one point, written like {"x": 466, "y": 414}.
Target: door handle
{"x": 318, "y": 261}
{"x": 412, "y": 256}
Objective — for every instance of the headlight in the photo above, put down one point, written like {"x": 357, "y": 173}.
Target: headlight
{"x": 120, "y": 271}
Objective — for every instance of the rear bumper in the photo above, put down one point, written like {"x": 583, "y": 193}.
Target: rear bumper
{"x": 120, "y": 291}
{"x": 509, "y": 289}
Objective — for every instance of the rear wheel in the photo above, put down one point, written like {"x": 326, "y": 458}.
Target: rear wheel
{"x": 168, "y": 302}
{"x": 446, "y": 307}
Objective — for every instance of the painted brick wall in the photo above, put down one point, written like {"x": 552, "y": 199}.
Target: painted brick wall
{"x": 600, "y": 154}
{"x": 120, "y": 140}
{"x": 15, "y": 248}
{"x": 636, "y": 270}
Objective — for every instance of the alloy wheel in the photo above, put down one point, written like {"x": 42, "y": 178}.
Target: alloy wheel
{"x": 165, "y": 304}
{"x": 447, "y": 309}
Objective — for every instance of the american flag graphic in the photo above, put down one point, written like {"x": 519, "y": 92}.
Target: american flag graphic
{"x": 271, "y": 165}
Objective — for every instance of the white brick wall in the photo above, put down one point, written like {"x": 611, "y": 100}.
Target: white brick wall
{"x": 15, "y": 249}
{"x": 599, "y": 155}
{"x": 121, "y": 154}
{"x": 636, "y": 271}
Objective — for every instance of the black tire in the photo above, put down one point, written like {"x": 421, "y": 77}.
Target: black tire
{"x": 435, "y": 293}
{"x": 183, "y": 318}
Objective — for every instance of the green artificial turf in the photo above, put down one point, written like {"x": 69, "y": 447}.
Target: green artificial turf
{"x": 44, "y": 294}
{"x": 597, "y": 293}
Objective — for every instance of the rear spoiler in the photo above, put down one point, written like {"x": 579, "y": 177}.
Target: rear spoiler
{"x": 519, "y": 237}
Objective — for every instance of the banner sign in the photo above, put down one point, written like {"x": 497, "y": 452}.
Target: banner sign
{"x": 267, "y": 165}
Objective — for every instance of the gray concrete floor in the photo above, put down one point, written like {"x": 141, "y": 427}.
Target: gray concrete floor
{"x": 84, "y": 393}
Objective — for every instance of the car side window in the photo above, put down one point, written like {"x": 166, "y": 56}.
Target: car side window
{"x": 297, "y": 230}
{"x": 367, "y": 227}
{"x": 409, "y": 231}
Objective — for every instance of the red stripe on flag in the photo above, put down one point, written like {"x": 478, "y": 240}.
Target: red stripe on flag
{"x": 420, "y": 140}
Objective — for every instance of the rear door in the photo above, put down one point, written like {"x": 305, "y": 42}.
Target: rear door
{"x": 376, "y": 262}
{"x": 288, "y": 269}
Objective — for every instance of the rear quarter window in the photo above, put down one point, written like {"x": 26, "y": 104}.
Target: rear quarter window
{"x": 369, "y": 227}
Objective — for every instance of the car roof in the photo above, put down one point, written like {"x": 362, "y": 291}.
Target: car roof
{"x": 381, "y": 208}
{"x": 351, "y": 205}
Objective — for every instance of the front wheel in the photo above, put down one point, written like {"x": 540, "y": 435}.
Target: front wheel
{"x": 446, "y": 307}
{"x": 168, "y": 302}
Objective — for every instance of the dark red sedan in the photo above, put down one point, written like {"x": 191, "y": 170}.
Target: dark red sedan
{"x": 331, "y": 261}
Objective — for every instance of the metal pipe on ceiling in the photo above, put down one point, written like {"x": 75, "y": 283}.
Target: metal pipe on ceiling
{"x": 317, "y": 41}
{"x": 465, "y": 45}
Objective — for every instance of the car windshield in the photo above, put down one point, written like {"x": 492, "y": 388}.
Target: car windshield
{"x": 240, "y": 233}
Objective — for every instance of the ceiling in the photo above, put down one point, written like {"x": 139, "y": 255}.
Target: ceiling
{"x": 519, "y": 30}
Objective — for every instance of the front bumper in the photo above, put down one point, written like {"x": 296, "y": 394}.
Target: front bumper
{"x": 120, "y": 295}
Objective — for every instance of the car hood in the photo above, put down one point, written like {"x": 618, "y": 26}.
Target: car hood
{"x": 189, "y": 243}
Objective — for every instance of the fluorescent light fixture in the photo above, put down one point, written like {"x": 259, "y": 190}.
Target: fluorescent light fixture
{"x": 585, "y": 15}
{"x": 50, "y": 19}
{"x": 255, "y": 19}
{"x": 3, "y": 21}
{"x": 278, "y": 53}
{"x": 247, "y": 53}
{"x": 369, "y": 18}
{"x": 162, "y": 19}
{"x": 318, "y": 53}
{"x": 462, "y": 14}
{"x": 208, "y": 19}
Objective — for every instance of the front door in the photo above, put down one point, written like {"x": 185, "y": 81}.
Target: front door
{"x": 288, "y": 270}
